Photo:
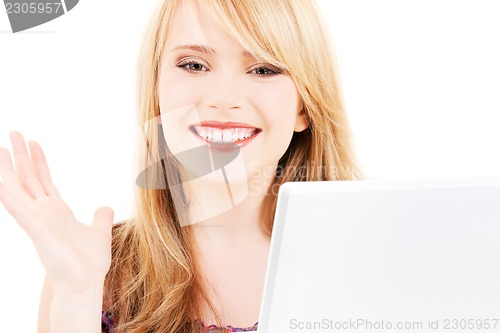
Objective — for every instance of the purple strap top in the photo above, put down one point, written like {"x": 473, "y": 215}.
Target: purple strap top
{"x": 108, "y": 323}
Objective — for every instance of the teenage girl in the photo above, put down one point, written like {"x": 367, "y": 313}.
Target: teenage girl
{"x": 235, "y": 98}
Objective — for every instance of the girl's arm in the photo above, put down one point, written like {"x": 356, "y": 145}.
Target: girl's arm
{"x": 77, "y": 313}
{"x": 44, "y": 309}
{"x": 70, "y": 316}
{"x": 76, "y": 256}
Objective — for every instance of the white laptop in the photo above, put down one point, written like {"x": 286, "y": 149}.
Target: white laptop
{"x": 384, "y": 256}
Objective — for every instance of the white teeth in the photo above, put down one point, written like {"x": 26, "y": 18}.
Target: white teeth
{"x": 217, "y": 135}
{"x": 234, "y": 137}
{"x": 227, "y": 135}
{"x": 203, "y": 132}
{"x": 244, "y": 133}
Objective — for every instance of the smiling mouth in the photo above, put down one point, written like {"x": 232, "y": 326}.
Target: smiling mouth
{"x": 224, "y": 136}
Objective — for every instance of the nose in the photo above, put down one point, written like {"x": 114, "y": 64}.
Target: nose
{"x": 225, "y": 91}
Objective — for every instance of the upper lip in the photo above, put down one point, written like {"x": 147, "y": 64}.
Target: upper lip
{"x": 223, "y": 125}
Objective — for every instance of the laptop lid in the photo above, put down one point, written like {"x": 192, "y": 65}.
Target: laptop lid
{"x": 384, "y": 256}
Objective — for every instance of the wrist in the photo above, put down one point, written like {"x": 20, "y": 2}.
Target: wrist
{"x": 70, "y": 291}
{"x": 81, "y": 309}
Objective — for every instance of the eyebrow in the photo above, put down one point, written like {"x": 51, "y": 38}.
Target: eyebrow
{"x": 206, "y": 50}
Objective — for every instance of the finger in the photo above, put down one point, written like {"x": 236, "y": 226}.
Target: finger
{"x": 103, "y": 219}
{"x": 12, "y": 206}
{"x": 41, "y": 168}
{"x": 6, "y": 166}
{"x": 24, "y": 166}
{"x": 10, "y": 179}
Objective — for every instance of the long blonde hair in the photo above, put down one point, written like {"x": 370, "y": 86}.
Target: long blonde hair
{"x": 153, "y": 284}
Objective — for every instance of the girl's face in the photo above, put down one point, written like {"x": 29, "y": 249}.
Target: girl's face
{"x": 225, "y": 96}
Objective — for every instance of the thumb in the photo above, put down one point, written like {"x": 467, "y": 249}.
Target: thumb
{"x": 103, "y": 219}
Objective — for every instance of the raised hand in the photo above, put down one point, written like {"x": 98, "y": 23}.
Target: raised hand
{"x": 76, "y": 256}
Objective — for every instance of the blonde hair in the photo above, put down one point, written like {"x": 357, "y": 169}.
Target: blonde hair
{"x": 153, "y": 285}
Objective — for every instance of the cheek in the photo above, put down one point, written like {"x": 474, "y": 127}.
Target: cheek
{"x": 279, "y": 105}
{"x": 174, "y": 92}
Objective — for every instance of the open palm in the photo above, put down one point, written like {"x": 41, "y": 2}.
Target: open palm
{"x": 75, "y": 256}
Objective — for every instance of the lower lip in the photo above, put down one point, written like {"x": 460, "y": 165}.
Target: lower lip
{"x": 226, "y": 146}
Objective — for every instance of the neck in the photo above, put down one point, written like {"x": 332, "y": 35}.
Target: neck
{"x": 228, "y": 215}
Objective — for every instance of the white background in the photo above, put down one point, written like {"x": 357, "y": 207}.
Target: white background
{"x": 421, "y": 81}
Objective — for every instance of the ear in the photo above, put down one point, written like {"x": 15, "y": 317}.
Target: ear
{"x": 301, "y": 123}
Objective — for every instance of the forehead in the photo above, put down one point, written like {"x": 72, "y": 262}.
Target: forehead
{"x": 192, "y": 27}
